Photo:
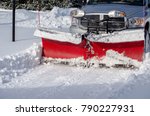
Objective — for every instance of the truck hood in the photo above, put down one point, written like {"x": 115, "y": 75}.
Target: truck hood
{"x": 130, "y": 10}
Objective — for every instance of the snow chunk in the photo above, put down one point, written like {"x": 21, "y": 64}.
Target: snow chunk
{"x": 17, "y": 64}
{"x": 56, "y": 18}
{"x": 113, "y": 57}
{"x": 122, "y": 36}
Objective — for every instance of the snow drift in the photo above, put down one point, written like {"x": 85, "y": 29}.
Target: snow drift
{"x": 15, "y": 65}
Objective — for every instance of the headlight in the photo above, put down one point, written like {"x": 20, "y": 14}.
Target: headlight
{"x": 115, "y": 13}
{"x": 136, "y": 22}
{"x": 77, "y": 13}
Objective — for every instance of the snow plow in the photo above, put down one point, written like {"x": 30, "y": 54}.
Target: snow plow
{"x": 110, "y": 32}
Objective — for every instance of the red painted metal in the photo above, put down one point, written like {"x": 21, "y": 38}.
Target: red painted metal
{"x": 66, "y": 50}
{"x": 134, "y": 49}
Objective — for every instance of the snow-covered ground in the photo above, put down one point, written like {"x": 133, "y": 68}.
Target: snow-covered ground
{"x": 22, "y": 75}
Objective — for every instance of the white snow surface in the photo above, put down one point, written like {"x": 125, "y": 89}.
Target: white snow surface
{"x": 22, "y": 75}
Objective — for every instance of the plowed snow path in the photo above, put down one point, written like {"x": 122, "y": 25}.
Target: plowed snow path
{"x": 60, "y": 81}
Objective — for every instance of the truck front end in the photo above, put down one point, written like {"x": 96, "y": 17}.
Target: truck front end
{"x": 99, "y": 16}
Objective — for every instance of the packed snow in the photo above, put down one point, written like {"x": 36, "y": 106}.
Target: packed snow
{"x": 116, "y": 37}
{"x": 22, "y": 75}
{"x": 58, "y": 18}
{"x": 58, "y": 35}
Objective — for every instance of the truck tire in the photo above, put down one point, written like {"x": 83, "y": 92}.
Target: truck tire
{"x": 147, "y": 41}
{"x": 147, "y": 44}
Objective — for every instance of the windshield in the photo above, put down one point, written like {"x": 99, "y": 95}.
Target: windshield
{"x": 129, "y": 2}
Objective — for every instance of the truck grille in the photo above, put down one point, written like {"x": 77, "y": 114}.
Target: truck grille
{"x": 100, "y": 22}
{"x": 90, "y": 20}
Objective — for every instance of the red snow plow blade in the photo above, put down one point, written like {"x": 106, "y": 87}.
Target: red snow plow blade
{"x": 67, "y": 50}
